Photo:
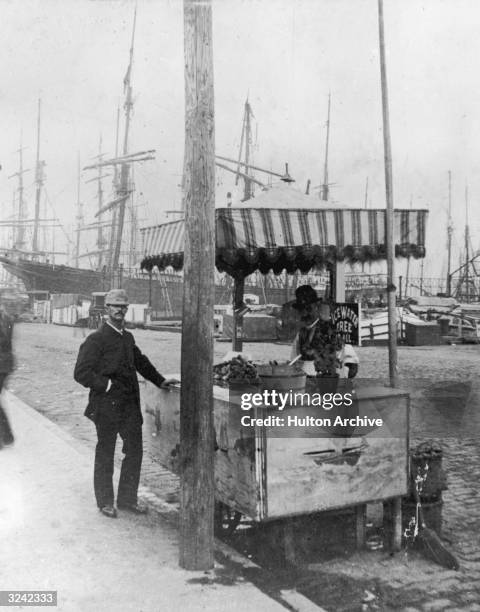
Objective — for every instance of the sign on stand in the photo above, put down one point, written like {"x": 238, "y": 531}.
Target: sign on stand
{"x": 346, "y": 319}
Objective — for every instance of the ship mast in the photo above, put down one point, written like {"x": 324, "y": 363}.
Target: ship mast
{"x": 79, "y": 217}
{"x": 122, "y": 185}
{"x": 12, "y": 236}
{"x": 246, "y": 138}
{"x": 98, "y": 225}
{"x": 133, "y": 226}
{"x": 449, "y": 235}
{"x": 248, "y": 189}
{"x": 407, "y": 275}
{"x": 123, "y": 189}
{"x": 467, "y": 242}
{"x": 22, "y": 222}
{"x": 39, "y": 182}
{"x": 113, "y": 227}
{"x": 100, "y": 243}
{"x": 325, "y": 167}
{"x": 19, "y": 242}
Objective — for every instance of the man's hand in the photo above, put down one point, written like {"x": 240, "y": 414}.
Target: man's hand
{"x": 168, "y": 382}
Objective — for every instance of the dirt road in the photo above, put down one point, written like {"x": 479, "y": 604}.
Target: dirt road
{"x": 46, "y": 357}
{"x": 445, "y": 394}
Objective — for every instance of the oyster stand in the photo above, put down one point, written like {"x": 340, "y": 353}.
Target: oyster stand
{"x": 257, "y": 472}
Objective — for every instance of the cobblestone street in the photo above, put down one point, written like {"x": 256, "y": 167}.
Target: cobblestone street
{"x": 445, "y": 406}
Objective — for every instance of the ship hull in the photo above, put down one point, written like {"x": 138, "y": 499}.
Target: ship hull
{"x": 163, "y": 291}
{"x": 38, "y": 276}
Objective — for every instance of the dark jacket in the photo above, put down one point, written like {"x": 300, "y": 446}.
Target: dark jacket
{"x": 6, "y": 353}
{"x": 105, "y": 355}
{"x": 320, "y": 344}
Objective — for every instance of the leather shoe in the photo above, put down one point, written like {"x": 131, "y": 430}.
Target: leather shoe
{"x": 109, "y": 511}
{"x": 135, "y": 508}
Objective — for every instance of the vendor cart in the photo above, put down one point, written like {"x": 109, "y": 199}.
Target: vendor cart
{"x": 257, "y": 474}
{"x": 266, "y": 475}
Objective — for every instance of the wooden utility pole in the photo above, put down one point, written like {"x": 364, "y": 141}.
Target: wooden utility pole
{"x": 239, "y": 283}
{"x": 392, "y": 315}
{"x": 237, "y": 332}
{"x": 196, "y": 398}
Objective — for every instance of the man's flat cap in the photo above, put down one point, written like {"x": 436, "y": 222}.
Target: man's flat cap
{"x": 116, "y": 297}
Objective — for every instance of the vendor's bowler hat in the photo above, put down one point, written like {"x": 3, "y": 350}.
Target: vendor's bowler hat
{"x": 116, "y": 297}
{"x": 305, "y": 295}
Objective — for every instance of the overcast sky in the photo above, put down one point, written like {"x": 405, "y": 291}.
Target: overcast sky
{"x": 287, "y": 55}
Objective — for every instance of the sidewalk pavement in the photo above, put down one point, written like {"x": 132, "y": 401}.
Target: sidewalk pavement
{"x": 52, "y": 536}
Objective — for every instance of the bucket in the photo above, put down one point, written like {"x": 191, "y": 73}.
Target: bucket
{"x": 294, "y": 382}
{"x": 281, "y": 377}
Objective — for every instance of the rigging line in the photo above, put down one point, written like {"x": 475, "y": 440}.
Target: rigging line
{"x": 29, "y": 185}
{"x": 57, "y": 195}
{"x": 148, "y": 176}
{"x": 56, "y": 216}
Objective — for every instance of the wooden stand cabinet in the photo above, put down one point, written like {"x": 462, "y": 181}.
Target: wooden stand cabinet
{"x": 267, "y": 477}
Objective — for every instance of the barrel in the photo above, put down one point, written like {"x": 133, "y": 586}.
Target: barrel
{"x": 432, "y": 513}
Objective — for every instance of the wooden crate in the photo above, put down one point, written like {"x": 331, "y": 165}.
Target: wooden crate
{"x": 422, "y": 334}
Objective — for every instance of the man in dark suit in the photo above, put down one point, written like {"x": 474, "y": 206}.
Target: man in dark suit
{"x": 107, "y": 363}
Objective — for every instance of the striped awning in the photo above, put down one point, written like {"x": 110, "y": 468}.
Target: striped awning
{"x": 249, "y": 239}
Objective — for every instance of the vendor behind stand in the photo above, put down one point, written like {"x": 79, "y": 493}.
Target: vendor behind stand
{"x": 322, "y": 350}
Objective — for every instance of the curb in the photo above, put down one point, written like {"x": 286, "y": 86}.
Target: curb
{"x": 290, "y": 598}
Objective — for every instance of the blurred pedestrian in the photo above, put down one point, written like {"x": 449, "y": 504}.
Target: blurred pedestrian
{"x": 80, "y": 329}
{"x": 107, "y": 363}
{"x": 6, "y": 367}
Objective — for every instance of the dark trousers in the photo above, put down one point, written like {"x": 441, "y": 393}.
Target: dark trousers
{"x": 129, "y": 426}
{"x": 6, "y": 434}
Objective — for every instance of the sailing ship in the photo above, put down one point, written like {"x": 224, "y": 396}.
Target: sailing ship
{"x": 35, "y": 267}
{"x": 162, "y": 291}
